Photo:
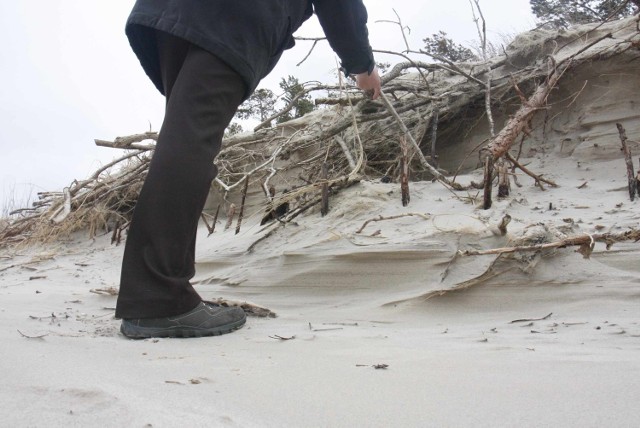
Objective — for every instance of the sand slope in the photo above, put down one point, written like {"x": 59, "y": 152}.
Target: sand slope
{"x": 351, "y": 301}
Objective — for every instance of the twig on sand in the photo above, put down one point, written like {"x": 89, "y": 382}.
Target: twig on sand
{"x": 275, "y": 336}
{"x": 7, "y": 267}
{"x": 349, "y": 324}
{"x": 32, "y": 337}
{"x": 324, "y": 329}
{"x": 381, "y": 218}
{"x": 537, "y": 178}
{"x": 210, "y": 227}
{"x": 532, "y": 319}
{"x": 375, "y": 366}
{"x": 249, "y": 308}
{"x": 107, "y": 291}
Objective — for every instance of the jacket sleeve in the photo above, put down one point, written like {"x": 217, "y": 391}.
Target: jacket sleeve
{"x": 345, "y": 24}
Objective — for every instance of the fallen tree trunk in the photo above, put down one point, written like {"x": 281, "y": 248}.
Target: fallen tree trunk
{"x": 500, "y": 145}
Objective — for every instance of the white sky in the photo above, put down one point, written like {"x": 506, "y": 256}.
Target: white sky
{"x": 68, "y": 76}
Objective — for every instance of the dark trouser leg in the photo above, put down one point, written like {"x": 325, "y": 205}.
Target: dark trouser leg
{"x": 203, "y": 94}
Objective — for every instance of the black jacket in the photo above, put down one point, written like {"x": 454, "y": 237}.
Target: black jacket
{"x": 249, "y": 35}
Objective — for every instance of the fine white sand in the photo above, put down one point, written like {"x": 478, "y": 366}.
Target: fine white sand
{"x": 350, "y": 301}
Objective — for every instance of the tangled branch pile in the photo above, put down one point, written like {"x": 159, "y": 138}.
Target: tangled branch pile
{"x": 354, "y": 137}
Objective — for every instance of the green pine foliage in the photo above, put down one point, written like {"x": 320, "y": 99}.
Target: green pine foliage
{"x": 441, "y": 45}
{"x": 563, "y": 13}
{"x": 302, "y": 105}
{"x": 261, "y": 105}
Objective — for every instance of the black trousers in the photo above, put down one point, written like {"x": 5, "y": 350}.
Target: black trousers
{"x": 202, "y": 95}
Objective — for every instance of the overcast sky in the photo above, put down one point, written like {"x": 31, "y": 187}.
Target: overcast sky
{"x": 68, "y": 76}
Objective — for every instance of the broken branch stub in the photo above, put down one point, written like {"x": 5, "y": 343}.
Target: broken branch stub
{"x": 633, "y": 183}
{"x": 324, "y": 210}
{"x": 404, "y": 172}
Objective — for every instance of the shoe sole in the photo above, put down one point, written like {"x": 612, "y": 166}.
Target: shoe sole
{"x": 134, "y": 332}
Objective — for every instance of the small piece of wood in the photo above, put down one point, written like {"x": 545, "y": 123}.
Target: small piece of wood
{"x": 434, "y": 136}
{"x": 244, "y": 198}
{"x": 532, "y": 319}
{"x": 633, "y": 182}
{"x": 203, "y": 216}
{"x": 504, "y": 184}
{"x": 65, "y": 209}
{"x": 381, "y": 218}
{"x": 488, "y": 182}
{"x": 404, "y": 172}
{"x": 40, "y": 336}
{"x": 231, "y": 213}
{"x": 638, "y": 180}
{"x": 128, "y": 142}
{"x": 502, "y": 227}
{"x": 324, "y": 210}
{"x": 215, "y": 219}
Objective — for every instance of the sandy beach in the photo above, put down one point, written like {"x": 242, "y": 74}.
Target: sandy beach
{"x": 346, "y": 304}
{"x": 385, "y": 317}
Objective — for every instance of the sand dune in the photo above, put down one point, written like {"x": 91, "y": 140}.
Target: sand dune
{"x": 387, "y": 327}
{"x": 348, "y": 302}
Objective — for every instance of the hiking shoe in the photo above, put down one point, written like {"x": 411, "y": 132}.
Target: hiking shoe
{"x": 206, "y": 319}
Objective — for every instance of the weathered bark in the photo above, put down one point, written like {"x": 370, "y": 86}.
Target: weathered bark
{"x": 244, "y": 198}
{"x": 502, "y": 227}
{"x": 404, "y": 172}
{"x": 128, "y": 141}
{"x": 215, "y": 219}
{"x": 502, "y": 142}
{"x": 231, "y": 213}
{"x": 638, "y": 180}
{"x": 633, "y": 183}
{"x": 504, "y": 184}
{"x": 324, "y": 210}
{"x": 488, "y": 182}
{"x": 434, "y": 136}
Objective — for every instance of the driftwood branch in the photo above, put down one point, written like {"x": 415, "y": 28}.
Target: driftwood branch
{"x": 110, "y": 194}
{"x": 537, "y": 178}
{"x": 129, "y": 142}
{"x": 586, "y": 242}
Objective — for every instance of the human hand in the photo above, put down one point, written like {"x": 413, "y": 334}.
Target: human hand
{"x": 370, "y": 83}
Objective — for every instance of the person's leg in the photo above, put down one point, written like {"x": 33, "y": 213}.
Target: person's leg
{"x": 203, "y": 93}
